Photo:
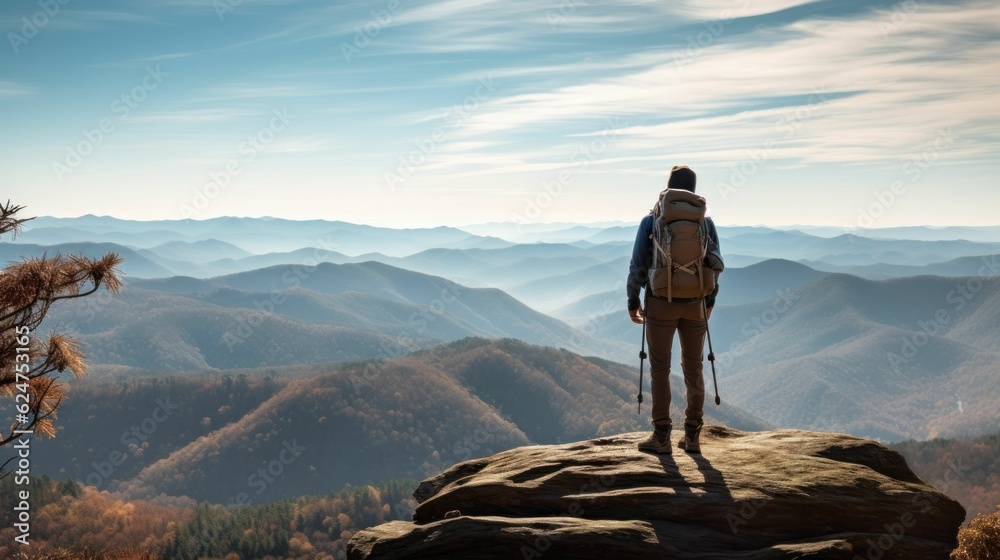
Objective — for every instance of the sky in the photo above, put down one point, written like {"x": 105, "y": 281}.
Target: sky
{"x": 450, "y": 112}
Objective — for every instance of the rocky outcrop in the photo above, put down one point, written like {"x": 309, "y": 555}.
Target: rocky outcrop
{"x": 750, "y": 495}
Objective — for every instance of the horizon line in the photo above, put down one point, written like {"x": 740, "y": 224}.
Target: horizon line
{"x": 600, "y": 223}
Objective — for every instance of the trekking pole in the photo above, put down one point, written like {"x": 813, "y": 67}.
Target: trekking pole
{"x": 642, "y": 358}
{"x": 711, "y": 354}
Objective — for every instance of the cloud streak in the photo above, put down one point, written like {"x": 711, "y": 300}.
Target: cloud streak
{"x": 833, "y": 90}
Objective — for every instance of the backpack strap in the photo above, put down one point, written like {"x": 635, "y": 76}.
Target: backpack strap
{"x": 685, "y": 266}
{"x": 700, "y": 258}
{"x": 660, "y": 251}
{"x": 670, "y": 260}
{"x": 703, "y": 233}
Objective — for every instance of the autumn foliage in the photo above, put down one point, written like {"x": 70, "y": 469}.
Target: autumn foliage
{"x": 967, "y": 470}
{"x": 77, "y": 522}
{"x": 980, "y": 540}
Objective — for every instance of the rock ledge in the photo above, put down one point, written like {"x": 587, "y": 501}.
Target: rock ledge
{"x": 751, "y": 495}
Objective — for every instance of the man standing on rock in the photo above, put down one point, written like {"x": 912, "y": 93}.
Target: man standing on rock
{"x": 681, "y": 300}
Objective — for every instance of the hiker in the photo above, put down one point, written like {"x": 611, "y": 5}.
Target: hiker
{"x": 681, "y": 300}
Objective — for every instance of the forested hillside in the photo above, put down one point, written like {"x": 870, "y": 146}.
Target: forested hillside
{"x": 68, "y": 517}
{"x": 967, "y": 470}
{"x": 207, "y": 435}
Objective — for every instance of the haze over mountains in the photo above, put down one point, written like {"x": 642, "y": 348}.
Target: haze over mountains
{"x": 262, "y": 330}
{"x": 261, "y": 234}
{"x": 561, "y": 263}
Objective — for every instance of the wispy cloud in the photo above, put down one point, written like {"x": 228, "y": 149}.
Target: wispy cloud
{"x": 13, "y": 89}
{"x": 707, "y": 10}
{"x": 840, "y": 89}
{"x": 167, "y": 56}
{"x": 137, "y": 62}
{"x": 73, "y": 18}
{"x": 187, "y": 117}
{"x": 303, "y": 145}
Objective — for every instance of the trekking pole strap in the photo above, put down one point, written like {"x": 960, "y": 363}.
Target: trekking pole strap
{"x": 642, "y": 351}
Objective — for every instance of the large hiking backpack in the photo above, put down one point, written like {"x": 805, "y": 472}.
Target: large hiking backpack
{"x": 679, "y": 243}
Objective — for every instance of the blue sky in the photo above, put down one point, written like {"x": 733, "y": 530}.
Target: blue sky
{"x": 393, "y": 112}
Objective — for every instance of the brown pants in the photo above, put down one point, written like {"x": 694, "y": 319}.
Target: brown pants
{"x": 688, "y": 319}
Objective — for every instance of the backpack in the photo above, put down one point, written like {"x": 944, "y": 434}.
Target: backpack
{"x": 679, "y": 244}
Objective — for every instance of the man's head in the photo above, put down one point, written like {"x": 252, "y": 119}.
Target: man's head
{"x": 682, "y": 177}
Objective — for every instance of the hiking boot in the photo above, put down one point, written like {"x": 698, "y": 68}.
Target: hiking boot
{"x": 690, "y": 442}
{"x": 659, "y": 440}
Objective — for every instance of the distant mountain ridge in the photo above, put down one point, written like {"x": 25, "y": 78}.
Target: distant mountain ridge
{"x": 757, "y": 282}
{"x": 263, "y": 234}
{"x": 290, "y": 314}
{"x": 204, "y": 251}
{"x": 135, "y": 263}
{"x": 884, "y": 359}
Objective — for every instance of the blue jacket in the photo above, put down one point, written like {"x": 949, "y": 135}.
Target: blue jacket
{"x": 638, "y": 269}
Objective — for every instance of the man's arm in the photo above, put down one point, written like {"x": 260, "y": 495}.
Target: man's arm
{"x": 714, "y": 259}
{"x": 639, "y": 266}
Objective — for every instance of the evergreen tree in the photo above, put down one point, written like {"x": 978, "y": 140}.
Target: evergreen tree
{"x": 28, "y": 366}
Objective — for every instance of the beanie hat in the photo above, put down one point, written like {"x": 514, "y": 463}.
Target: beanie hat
{"x": 682, "y": 177}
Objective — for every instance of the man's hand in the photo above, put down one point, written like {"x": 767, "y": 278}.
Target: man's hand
{"x": 636, "y": 315}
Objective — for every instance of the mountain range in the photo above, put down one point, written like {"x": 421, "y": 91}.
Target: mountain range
{"x": 892, "y": 351}
{"x": 562, "y": 264}
{"x": 796, "y": 346}
{"x": 907, "y": 358}
{"x": 285, "y": 315}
